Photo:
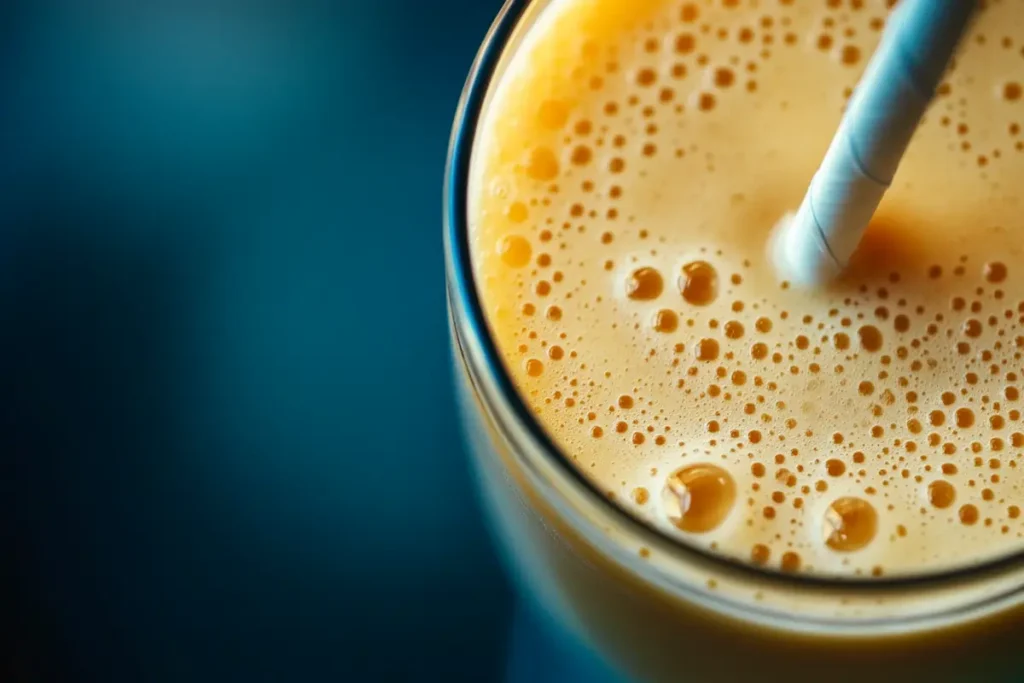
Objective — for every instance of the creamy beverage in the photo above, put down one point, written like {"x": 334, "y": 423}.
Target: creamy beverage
{"x": 629, "y": 167}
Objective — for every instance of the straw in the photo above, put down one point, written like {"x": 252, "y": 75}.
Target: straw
{"x": 816, "y": 244}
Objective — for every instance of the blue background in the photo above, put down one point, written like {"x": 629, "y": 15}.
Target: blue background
{"x": 227, "y": 437}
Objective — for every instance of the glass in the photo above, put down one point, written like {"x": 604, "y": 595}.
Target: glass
{"x": 657, "y": 609}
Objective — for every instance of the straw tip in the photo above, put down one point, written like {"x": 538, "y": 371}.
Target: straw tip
{"x": 798, "y": 253}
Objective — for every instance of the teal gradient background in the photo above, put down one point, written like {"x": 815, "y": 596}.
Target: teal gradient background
{"x": 227, "y": 437}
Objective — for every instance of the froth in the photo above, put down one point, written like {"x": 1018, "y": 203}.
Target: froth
{"x": 629, "y": 168}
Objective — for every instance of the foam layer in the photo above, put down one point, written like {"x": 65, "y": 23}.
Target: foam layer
{"x": 629, "y": 168}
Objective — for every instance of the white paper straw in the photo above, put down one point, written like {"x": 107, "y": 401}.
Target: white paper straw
{"x": 900, "y": 81}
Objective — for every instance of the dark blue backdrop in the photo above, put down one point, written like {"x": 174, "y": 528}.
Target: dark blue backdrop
{"x": 227, "y": 440}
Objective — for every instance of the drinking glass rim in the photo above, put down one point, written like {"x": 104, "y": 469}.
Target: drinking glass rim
{"x": 463, "y": 296}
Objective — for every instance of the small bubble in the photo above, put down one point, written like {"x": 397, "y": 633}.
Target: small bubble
{"x": 968, "y": 514}
{"x": 517, "y": 212}
{"x": 685, "y": 43}
{"x": 698, "y": 283}
{"x": 644, "y": 284}
{"x": 850, "y": 524}
{"x": 666, "y": 320}
{"x": 835, "y": 467}
{"x": 850, "y": 55}
{"x": 698, "y": 498}
{"x": 640, "y": 495}
{"x": 733, "y": 329}
{"x": 790, "y": 562}
{"x": 542, "y": 164}
{"x": 995, "y": 271}
{"x": 870, "y": 338}
{"x": 646, "y": 77}
{"x": 581, "y": 155}
{"x": 706, "y": 349}
{"x": 941, "y": 494}
{"x": 515, "y": 251}
{"x": 964, "y": 418}
{"x": 724, "y": 77}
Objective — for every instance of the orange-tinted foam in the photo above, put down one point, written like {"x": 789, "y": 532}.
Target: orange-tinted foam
{"x": 629, "y": 169}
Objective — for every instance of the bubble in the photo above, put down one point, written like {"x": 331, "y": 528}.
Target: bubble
{"x": 850, "y": 524}
{"x": 706, "y": 101}
{"x": 625, "y": 402}
{"x": 791, "y": 562}
{"x": 733, "y": 329}
{"x": 534, "y": 368}
{"x": 685, "y": 43}
{"x": 995, "y": 271}
{"x": 646, "y": 77}
{"x": 964, "y": 418}
{"x": 581, "y": 155}
{"x": 724, "y": 77}
{"x": 706, "y": 350}
{"x": 514, "y": 251}
{"x": 968, "y": 514}
{"x": 763, "y": 325}
{"x": 517, "y": 212}
{"x": 841, "y": 341}
{"x": 644, "y": 284}
{"x": 870, "y": 338}
{"x": 941, "y": 494}
{"x": 698, "y": 498}
{"x": 542, "y": 164}
{"x": 759, "y": 351}
{"x": 1012, "y": 91}
{"x": 698, "y": 283}
{"x": 760, "y": 554}
{"x": 850, "y": 55}
{"x": 835, "y": 467}
{"x": 666, "y": 321}
{"x": 972, "y": 328}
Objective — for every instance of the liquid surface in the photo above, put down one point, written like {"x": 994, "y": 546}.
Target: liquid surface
{"x": 629, "y": 167}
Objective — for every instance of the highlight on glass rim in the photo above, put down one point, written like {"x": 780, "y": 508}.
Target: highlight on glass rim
{"x": 702, "y": 462}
